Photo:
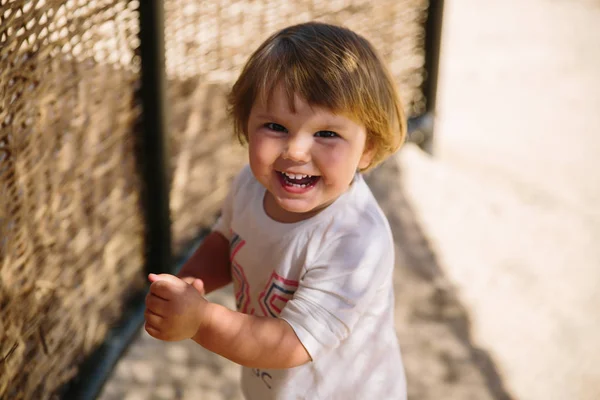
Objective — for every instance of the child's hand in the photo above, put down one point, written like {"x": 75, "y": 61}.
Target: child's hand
{"x": 174, "y": 307}
{"x": 196, "y": 283}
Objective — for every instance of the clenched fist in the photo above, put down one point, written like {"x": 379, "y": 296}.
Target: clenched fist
{"x": 174, "y": 307}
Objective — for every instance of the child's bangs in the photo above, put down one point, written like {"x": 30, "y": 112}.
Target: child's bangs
{"x": 302, "y": 76}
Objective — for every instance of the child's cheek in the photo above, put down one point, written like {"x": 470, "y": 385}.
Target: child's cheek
{"x": 263, "y": 150}
{"x": 332, "y": 157}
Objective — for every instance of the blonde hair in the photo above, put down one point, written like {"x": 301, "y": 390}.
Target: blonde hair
{"x": 330, "y": 67}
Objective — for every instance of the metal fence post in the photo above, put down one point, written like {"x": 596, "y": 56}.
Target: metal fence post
{"x": 154, "y": 143}
{"x": 423, "y": 125}
{"x": 153, "y": 161}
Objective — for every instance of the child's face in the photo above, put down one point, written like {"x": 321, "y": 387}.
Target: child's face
{"x": 305, "y": 159}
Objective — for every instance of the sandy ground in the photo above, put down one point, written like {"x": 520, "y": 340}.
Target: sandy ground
{"x": 511, "y": 200}
{"x": 497, "y": 234}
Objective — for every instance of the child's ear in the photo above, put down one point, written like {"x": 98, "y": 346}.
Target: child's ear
{"x": 367, "y": 156}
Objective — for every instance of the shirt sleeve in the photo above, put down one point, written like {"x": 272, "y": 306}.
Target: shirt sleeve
{"x": 223, "y": 224}
{"x": 338, "y": 288}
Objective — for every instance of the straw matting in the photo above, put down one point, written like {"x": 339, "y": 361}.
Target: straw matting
{"x": 70, "y": 223}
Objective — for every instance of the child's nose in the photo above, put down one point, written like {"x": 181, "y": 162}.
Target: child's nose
{"x": 298, "y": 149}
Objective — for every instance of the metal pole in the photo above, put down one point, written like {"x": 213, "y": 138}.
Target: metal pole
{"x": 154, "y": 170}
{"x": 424, "y": 124}
{"x": 154, "y": 144}
{"x": 433, "y": 38}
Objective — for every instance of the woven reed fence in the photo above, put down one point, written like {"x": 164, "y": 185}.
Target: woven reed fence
{"x": 70, "y": 225}
{"x": 72, "y": 222}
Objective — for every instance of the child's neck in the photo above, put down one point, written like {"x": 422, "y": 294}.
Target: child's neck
{"x": 276, "y": 213}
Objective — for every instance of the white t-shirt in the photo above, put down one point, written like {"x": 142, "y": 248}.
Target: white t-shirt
{"x": 330, "y": 278}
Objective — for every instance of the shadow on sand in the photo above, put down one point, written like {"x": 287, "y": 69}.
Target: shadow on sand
{"x": 434, "y": 328}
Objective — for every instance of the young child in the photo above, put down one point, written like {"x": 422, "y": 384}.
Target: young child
{"x": 308, "y": 249}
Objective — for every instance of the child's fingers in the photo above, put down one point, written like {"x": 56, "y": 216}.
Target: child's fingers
{"x": 156, "y": 304}
{"x": 188, "y": 279}
{"x": 172, "y": 279}
{"x": 161, "y": 290}
{"x": 153, "y": 319}
{"x": 169, "y": 287}
{"x": 197, "y": 283}
{"x": 152, "y": 331}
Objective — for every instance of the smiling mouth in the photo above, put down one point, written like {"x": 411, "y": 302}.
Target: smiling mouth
{"x": 298, "y": 180}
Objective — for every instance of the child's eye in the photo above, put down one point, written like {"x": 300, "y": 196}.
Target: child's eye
{"x": 326, "y": 134}
{"x": 275, "y": 127}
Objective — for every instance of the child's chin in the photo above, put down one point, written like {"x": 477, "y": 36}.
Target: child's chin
{"x": 295, "y": 207}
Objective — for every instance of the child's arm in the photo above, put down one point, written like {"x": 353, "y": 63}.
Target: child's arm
{"x": 209, "y": 263}
{"x": 177, "y": 311}
{"x": 255, "y": 342}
